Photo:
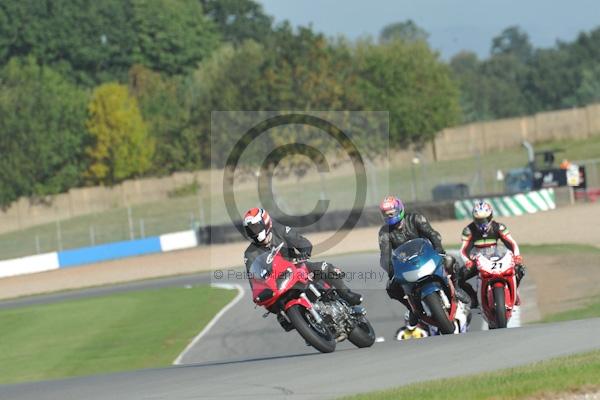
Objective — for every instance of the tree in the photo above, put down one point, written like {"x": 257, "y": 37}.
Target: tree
{"x": 121, "y": 146}
{"x": 88, "y": 40}
{"x": 42, "y": 131}
{"x": 406, "y": 30}
{"x": 589, "y": 90}
{"x": 239, "y": 20}
{"x": 514, "y": 41}
{"x": 411, "y": 82}
{"x": 161, "y": 100}
{"x": 466, "y": 71}
{"x": 171, "y": 36}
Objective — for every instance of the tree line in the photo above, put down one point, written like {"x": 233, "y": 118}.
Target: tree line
{"x": 98, "y": 92}
{"x": 518, "y": 79}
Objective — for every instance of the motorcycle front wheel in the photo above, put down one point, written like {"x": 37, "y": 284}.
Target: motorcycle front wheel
{"x": 316, "y": 335}
{"x": 363, "y": 334}
{"x": 439, "y": 314}
{"x": 500, "y": 307}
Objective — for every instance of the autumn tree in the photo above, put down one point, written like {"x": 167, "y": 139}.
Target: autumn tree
{"x": 121, "y": 145}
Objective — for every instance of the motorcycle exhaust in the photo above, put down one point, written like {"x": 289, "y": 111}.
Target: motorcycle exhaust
{"x": 312, "y": 311}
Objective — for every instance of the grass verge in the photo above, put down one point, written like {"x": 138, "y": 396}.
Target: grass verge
{"x": 541, "y": 379}
{"x": 551, "y": 249}
{"x": 590, "y": 310}
{"x": 119, "y": 332}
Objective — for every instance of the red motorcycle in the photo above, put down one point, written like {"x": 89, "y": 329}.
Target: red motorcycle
{"x": 313, "y": 307}
{"x": 497, "y": 287}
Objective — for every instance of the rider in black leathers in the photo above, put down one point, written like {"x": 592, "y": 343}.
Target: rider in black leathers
{"x": 267, "y": 234}
{"x": 400, "y": 227}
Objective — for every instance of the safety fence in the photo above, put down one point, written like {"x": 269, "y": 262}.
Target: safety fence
{"x": 513, "y": 205}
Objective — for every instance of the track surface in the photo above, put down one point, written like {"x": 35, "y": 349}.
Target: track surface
{"x": 245, "y": 356}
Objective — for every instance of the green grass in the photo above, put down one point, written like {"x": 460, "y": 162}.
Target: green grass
{"x": 540, "y": 379}
{"x": 574, "y": 248}
{"x": 119, "y": 332}
{"x": 184, "y": 209}
{"x": 590, "y": 310}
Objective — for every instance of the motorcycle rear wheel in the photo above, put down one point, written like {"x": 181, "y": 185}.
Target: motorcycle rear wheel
{"x": 363, "y": 334}
{"x": 500, "y": 307}
{"x": 320, "y": 341}
{"x": 439, "y": 314}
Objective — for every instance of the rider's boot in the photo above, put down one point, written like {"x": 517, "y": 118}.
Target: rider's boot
{"x": 471, "y": 293}
{"x": 334, "y": 276}
{"x": 463, "y": 297}
{"x": 351, "y": 297}
{"x": 413, "y": 320}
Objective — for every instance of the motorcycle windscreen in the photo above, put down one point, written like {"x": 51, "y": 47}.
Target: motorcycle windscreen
{"x": 414, "y": 260}
{"x": 260, "y": 269}
{"x": 492, "y": 253}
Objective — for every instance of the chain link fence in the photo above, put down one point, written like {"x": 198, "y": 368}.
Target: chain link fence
{"x": 413, "y": 183}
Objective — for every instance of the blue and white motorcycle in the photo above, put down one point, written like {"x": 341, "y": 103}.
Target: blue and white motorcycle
{"x": 429, "y": 290}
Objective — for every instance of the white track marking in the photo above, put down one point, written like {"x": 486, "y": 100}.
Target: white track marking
{"x": 216, "y": 318}
{"x": 380, "y": 339}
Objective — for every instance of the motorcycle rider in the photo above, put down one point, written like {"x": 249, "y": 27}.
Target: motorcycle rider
{"x": 409, "y": 331}
{"x": 266, "y": 234}
{"x": 484, "y": 233}
{"x": 398, "y": 228}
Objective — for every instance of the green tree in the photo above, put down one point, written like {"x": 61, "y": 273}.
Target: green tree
{"x": 239, "y": 20}
{"x": 514, "y": 41}
{"x": 171, "y": 36}
{"x": 407, "y": 30}
{"x": 411, "y": 82}
{"x": 86, "y": 39}
{"x": 589, "y": 89}
{"x": 42, "y": 131}
{"x": 161, "y": 100}
{"x": 121, "y": 145}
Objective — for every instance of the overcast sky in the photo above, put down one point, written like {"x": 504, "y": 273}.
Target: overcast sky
{"x": 453, "y": 25}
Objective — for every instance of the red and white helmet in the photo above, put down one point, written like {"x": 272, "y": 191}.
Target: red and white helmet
{"x": 258, "y": 225}
{"x": 482, "y": 215}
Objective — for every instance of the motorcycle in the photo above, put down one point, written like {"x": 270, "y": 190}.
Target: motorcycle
{"x": 496, "y": 287}
{"x": 429, "y": 291}
{"x": 313, "y": 307}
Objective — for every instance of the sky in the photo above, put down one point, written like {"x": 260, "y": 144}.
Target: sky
{"x": 453, "y": 25}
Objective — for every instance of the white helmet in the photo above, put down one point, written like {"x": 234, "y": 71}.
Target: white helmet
{"x": 482, "y": 215}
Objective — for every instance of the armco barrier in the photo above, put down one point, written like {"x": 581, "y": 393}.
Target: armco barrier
{"x": 29, "y": 265}
{"x": 108, "y": 251}
{"x": 104, "y": 252}
{"x": 513, "y": 205}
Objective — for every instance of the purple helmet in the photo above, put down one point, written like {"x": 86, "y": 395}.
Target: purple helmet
{"x": 392, "y": 210}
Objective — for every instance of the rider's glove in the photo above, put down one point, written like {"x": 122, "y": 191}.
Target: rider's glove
{"x": 520, "y": 270}
{"x": 469, "y": 264}
{"x": 518, "y": 260}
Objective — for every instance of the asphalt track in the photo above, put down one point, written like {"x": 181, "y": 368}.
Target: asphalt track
{"x": 245, "y": 356}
